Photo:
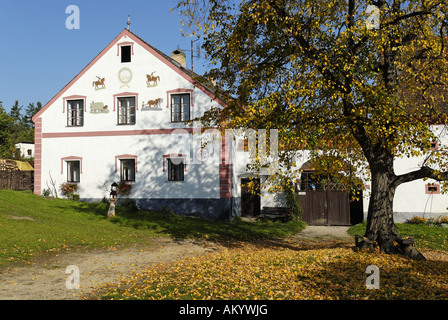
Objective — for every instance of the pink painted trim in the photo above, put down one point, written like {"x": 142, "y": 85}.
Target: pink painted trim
{"x": 126, "y": 156}
{"x": 38, "y": 156}
{"x": 175, "y": 155}
{"x": 126, "y": 94}
{"x": 427, "y": 186}
{"x": 436, "y": 147}
{"x": 75, "y": 97}
{"x": 112, "y": 133}
{"x": 225, "y": 174}
{"x": 124, "y": 44}
{"x": 99, "y": 56}
{"x": 70, "y": 158}
{"x": 174, "y": 67}
{"x": 127, "y": 33}
{"x": 180, "y": 90}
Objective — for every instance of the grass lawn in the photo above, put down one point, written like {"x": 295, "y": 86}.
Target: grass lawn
{"x": 31, "y": 226}
{"x": 426, "y": 237}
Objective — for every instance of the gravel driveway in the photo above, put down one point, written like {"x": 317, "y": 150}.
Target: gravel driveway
{"x": 45, "y": 279}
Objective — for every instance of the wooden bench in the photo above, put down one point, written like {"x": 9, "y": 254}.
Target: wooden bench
{"x": 273, "y": 213}
{"x": 363, "y": 242}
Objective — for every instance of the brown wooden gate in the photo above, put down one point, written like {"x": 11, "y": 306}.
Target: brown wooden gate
{"x": 325, "y": 207}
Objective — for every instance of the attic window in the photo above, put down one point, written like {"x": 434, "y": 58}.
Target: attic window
{"x": 125, "y": 53}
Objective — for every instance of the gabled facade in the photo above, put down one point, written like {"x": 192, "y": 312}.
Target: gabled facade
{"x": 122, "y": 119}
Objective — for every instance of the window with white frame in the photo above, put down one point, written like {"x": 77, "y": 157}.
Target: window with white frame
{"x": 175, "y": 169}
{"x": 75, "y": 113}
{"x": 126, "y": 110}
{"x": 127, "y": 169}
{"x": 180, "y": 107}
{"x": 73, "y": 171}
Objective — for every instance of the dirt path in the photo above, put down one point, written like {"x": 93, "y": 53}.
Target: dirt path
{"x": 46, "y": 279}
{"x": 324, "y": 232}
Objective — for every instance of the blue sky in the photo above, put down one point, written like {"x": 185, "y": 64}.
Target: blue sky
{"x": 39, "y": 55}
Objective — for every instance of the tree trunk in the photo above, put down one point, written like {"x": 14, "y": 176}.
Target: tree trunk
{"x": 380, "y": 221}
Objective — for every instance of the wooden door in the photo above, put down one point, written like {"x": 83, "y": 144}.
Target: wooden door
{"x": 250, "y": 202}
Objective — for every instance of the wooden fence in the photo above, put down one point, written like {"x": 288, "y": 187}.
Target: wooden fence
{"x": 17, "y": 180}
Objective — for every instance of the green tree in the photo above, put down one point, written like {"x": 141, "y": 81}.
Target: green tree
{"x": 30, "y": 111}
{"x": 6, "y": 123}
{"x": 330, "y": 82}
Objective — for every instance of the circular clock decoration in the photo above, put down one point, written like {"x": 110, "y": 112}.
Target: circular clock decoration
{"x": 125, "y": 76}
{"x": 202, "y": 154}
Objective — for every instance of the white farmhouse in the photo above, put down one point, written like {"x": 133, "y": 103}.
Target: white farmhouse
{"x": 122, "y": 119}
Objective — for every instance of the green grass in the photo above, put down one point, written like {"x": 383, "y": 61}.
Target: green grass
{"x": 186, "y": 227}
{"x": 31, "y": 226}
{"x": 426, "y": 237}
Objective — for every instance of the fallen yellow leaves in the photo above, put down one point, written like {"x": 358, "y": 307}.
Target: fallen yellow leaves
{"x": 288, "y": 271}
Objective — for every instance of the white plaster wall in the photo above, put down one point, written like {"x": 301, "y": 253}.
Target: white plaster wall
{"x": 108, "y": 67}
{"x": 201, "y": 180}
{"x": 98, "y": 152}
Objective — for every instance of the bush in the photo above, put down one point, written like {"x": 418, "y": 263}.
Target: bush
{"x": 430, "y": 221}
{"x": 124, "y": 189}
{"x": 417, "y": 220}
{"x": 129, "y": 204}
{"x": 69, "y": 190}
{"x": 292, "y": 204}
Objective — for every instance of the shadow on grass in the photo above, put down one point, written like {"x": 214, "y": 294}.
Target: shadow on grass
{"x": 167, "y": 223}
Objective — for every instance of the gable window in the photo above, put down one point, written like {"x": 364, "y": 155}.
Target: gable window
{"x": 126, "y": 110}
{"x": 75, "y": 113}
{"x": 73, "y": 171}
{"x": 180, "y": 107}
{"x": 125, "y": 53}
{"x": 127, "y": 169}
{"x": 175, "y": 169}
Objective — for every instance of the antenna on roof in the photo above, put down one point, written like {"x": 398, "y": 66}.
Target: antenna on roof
{"x": 192, "y": 51}
{"x": 129, "y": 21}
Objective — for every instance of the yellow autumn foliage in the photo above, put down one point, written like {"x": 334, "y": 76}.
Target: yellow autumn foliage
{"x": 288, "y": 270}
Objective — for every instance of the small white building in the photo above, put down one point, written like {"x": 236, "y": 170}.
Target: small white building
{"x": 26, "y": 149}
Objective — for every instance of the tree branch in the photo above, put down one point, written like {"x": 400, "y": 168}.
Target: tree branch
{"x": 423, "y": 172}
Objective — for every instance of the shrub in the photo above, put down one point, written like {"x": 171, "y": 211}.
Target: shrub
{"x": 417, "y": 220}
{"x": 292, "y": 204}
{"x": 124, "y": 189}
{"x": 430, "y": 221}
{"x": 69, "y": 190}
